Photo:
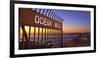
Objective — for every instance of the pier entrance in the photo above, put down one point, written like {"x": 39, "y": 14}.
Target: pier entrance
{"x": 39, "y": 28}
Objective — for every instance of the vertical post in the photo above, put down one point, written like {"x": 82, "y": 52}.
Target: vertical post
{"x": 23, "y": 41}
{"x": 19, "y": 35}
{"x": 34, "y": 35}
{"x": 45, "y": 36}
{"x": 52, "y": 34}
{"x": 25, "y": 35}
{"x": 29, "y": 36}
{"x": 20, "y": 43}
{"x": 55, "y": 37}
{"x": 42, "y": 35}
{"x": 38, "y": 33}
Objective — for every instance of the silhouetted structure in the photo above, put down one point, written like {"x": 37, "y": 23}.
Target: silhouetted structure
{"x": 39, "y": 28}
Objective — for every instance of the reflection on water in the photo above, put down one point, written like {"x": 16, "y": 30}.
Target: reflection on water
{"x": 76, "y": 39}
{"x": 68, "y": 40}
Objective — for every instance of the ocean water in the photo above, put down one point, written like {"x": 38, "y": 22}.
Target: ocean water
{"x": 68, "y": 40}
{"x": 56, "y": 38}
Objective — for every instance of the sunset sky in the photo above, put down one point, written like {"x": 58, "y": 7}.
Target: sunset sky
{"x": 75, "y": 21}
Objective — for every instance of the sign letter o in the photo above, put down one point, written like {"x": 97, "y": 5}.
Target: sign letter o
{"x": 37, "y": 19}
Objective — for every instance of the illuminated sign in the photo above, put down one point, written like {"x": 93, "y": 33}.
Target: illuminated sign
{"x": 46, "y": 22}
{"x": 32, "y": 18}
{"x": 42, "y": 21}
